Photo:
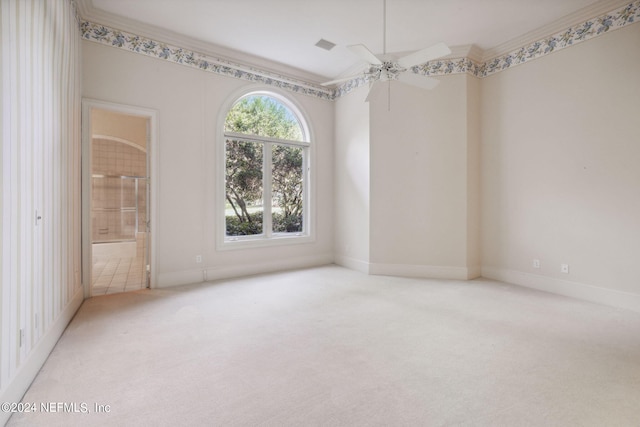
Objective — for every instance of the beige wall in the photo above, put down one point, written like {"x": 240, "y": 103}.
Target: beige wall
{"x": 419, "y": 175}
{"x": 405, "y": 203}
{"x": 188, "y": 102}
{"x": 352, "y": 181}
{"x": 420, "y": 190}
{"x": 560, "y": 168}
{"x": 474, "y": 177}
{"x": 123, "y": 126}
{"x": 537, "y": 161}
{"x": 407, "y": 180}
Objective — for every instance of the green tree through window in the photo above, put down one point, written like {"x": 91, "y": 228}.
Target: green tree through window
{"x": 264, "y": 180}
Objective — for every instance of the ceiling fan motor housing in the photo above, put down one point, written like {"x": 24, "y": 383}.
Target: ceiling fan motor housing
{"x": 386, "y": 71}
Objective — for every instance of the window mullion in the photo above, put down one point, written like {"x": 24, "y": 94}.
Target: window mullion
{"x": 240, "y": 173}
{"x": 267, "y": 203}
{"x": 306, "y": 206}
{"x": 257, "y": 138}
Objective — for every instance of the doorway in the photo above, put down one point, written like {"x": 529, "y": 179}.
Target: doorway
{"x": 117, "y": 198}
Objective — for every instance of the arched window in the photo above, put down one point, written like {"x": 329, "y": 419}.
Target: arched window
{"x": 266, "y": 155}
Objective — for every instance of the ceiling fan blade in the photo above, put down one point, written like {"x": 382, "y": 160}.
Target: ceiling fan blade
{"x": 364, "y": 53}
{"x": 343, "y": 79}
{"x": 424, "y": 55}
{"x": 368, "y": 98}
{"x": 418, "y": 80}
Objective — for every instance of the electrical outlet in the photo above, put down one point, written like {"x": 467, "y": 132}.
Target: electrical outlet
{"x": 198, "y": 259}
{"x": 536, "y": 263}
{"x": 564, "y": 268}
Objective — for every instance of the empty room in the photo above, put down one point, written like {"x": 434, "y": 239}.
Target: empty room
{"x": 320, "y": 212}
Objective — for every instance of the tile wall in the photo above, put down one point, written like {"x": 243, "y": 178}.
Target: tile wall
{"x": 115, "y": 168}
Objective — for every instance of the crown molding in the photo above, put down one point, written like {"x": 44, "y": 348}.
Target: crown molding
{"x": 475, "y": 53}
{"x": 124, "y": 33}
{"x": 90, "y": 13}
{"x": 627, "y": 14}
{"x": 592, "y": 11}
{"x": 132, "y": 42}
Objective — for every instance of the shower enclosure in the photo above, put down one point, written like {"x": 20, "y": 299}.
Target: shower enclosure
{"x": 119, "y": 204}
{"x": 118, "y": 210}
{"x": 117, "y": 197}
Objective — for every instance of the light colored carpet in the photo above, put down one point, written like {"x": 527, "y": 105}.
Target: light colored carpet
{"x": 329, "y": 346}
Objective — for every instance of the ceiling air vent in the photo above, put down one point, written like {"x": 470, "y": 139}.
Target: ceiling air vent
{"x": 325, "y": 44}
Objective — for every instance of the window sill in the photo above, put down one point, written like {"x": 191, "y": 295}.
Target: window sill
{"x": 245, "y": 242}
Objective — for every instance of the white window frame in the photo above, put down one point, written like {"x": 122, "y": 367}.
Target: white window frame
{"x": 268, "y": 237}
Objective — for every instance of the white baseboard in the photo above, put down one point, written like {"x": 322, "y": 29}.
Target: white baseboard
{"x": 352, "y": 263}
{"x": 32, "y": 365}
{"x": 408, "y": 270}
{"x": 474, "y": 272}
{"x": 610, "y": 297}
{"x": 177, "y": 278}
{"x": 186, "y": 277}
{"x": 231, "y": 271}
{"x": 420, "y": 271}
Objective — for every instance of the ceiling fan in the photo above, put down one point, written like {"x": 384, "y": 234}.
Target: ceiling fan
{"x": 387, "y": 68}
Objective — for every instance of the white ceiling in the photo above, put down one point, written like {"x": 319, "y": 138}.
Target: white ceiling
{"x": 286, "y": 31}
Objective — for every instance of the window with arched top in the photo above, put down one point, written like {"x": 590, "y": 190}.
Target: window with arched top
{"x": 266, "y": 157}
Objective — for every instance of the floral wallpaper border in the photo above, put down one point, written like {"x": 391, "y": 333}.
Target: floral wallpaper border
{"x": 587, "y": 30}
{"x": 134, "y": 43}
{"x": 434, "y": 68}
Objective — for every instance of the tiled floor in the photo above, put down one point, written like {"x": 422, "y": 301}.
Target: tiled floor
{"x": 117, "y": 270}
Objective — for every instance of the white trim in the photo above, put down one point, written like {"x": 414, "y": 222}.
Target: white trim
{"x": 232, "y": 271}
{"x": 474, "y": 272}
{"x": 153, "y": 173}
{"x": 28, "y": 370}
{"x": 251, "y": 63}
{"x": 188, "y": 277}
{"x": 419, "y": 271}
{"x": 262, "y": 241}
{"x": 112, "y": 37}
{"x": 241, "y": 242}
{"x": 352, "y": 263}
{"x": 610, "y": 297}
{"x": 589, "y": 12}
{"x": 179, "y": 278}
{"x": 257, "y": 138}
{"x": 496, "y": 59}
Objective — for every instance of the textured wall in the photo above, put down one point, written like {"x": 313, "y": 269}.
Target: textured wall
{"x": 40, "y": 287}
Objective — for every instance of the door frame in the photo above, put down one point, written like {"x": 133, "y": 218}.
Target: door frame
{"x": 152, "y": 172}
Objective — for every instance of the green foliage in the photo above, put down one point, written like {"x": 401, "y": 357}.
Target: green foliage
{"x": 281, "y": 224}
{"x": 237, "y": 227}
{"x": 287, "y": 179}
{"x": 243, "y": 178}
{"x": 263, "y": 116}
{"x": 287, "y": 223}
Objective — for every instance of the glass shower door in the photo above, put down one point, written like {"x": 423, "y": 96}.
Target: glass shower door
{"x": 115, "y": 209}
